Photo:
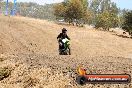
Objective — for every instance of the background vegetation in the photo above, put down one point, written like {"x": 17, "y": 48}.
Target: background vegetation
{"x": 99, "y": 13}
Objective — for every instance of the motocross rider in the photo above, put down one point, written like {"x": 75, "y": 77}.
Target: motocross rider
{"x": 61, "y": 36}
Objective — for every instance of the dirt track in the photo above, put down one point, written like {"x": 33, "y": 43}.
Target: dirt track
{"x": 29, "y": 48}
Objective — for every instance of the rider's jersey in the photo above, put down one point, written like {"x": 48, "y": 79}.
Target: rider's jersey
{"x": 61, "y": 36}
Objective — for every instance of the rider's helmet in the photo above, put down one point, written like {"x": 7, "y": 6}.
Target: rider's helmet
{"x": 64, "y": 30}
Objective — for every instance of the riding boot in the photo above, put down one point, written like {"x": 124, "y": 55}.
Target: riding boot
{"x": 69, "y": 51}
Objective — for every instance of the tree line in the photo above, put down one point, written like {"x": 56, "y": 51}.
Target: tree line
{"x": 97, "y": 12}
{"x": 31, "y": 9}
{"x": 100, "y": 13}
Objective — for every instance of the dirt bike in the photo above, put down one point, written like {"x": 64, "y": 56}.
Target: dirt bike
{"x": 65, "y": 47}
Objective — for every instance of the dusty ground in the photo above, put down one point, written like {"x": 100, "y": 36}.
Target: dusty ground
{"x": 29, "y": 47}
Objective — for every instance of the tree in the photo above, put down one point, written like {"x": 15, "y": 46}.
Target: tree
{"x": 95, "y": 7}
{"x": 36, "y": 11}
{"x": 59, "y": 10}
{"x": 106, "y": 14}
{"x": 73, "y": 11}
{"x": 0, "y": 3}
{"x": 106, "y": 20}
{"x": 127, "y": 25}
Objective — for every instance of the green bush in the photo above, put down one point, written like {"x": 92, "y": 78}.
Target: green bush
{"x": 107, "y": 20}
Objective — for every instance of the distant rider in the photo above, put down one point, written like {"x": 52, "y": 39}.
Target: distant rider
{"x": 61, "y": 36}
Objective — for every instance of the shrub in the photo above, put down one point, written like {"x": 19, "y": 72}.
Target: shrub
{"x": 4, "y": 73}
